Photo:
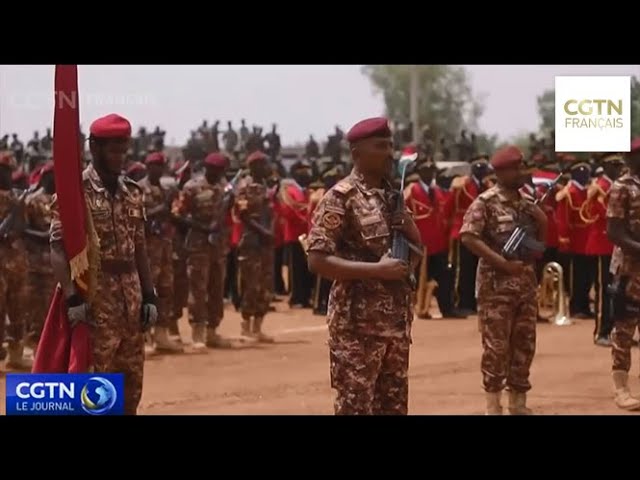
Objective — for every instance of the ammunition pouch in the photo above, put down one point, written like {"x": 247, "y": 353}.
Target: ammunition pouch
{"x": 620, "y": 307}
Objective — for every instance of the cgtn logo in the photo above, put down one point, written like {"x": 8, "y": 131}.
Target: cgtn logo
{"x": 65, "y": 394}
{"x": 593, "y": 114}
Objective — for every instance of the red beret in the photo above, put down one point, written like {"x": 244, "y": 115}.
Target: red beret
{"x": 506, "y": 157}
{"x": 18, "y": 175}
{"x": 257, "y": 155}
{"x": 48, "y": 167}
{"x": 635, "y": 145}
{"x": 371, "y": 127}
{"x": 136, "y": 167}
{"x": 7, "y": 159}
{"x": 216, "y": 160}
{"x": 156, "y": 158}
{"x": 111, "y": 126}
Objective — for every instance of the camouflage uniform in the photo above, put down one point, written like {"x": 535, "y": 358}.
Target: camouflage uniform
{"x": 41, "y": 281}
{"x": 180, "y": 277}
{"x": 13, "y": 285}
{"x": 369, "y": 320}
{"x": 255, "y": 257}
{"x": 202, "y": 201}
{"x": 159, "y": 236}
{"x": 624, "y": 204}
{"x": 117, "y": 339}
{"x": 507, "y": 304}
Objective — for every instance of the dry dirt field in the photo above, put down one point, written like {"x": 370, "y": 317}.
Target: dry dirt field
{"x": 570, "y": 375}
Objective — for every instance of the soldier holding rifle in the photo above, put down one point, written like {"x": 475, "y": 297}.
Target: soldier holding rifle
{"x": 505, "y": 287}
{"x": 370, "y": 305}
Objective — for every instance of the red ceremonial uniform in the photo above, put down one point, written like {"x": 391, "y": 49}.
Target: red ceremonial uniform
{"x": 573, "y": 231}
{"x": 549, "y": 208}
{"x": 293, "y": 204}
{"x": 595, "y": 212}
{"x": 429, "y": 216}
{"x": 464, "y": 190}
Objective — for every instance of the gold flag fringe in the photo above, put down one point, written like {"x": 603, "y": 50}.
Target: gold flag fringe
{"x": 87, "y": 260}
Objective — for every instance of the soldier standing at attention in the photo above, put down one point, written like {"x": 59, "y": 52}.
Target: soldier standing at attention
{"x": 623, "y": 228}
{"x": 182, "y": 174}
{"x": 159, "y": 234}
{"x": 41, "y": 282}
{"x": 13, "y": 268}
{"x": 506, "y": 289}
{"x": 126, "y": 304}
{"x": 370, "y": 304}
{"x": 255, "y": 249}
{"x": 200, "y": 205}
{"x": 599, "y": 248}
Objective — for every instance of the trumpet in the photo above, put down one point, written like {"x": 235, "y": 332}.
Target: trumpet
{"x": 552, "y": 301}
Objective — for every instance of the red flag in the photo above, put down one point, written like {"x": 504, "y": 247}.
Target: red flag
{"x": 63, "y": 349}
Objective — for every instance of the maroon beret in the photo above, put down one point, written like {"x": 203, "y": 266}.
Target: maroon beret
{"x": 47, "y": 167}
{"x": 635, "y": 145}
{"x": 7, "y": 159}
{"x": 136, "y": 167}
{"x": 371, "y": 127}
{"x": 506, "y": 157}
{"x": 156, "y": 158}
{"x": 111, "y": 126}
{"x": 257, "y": 155}
{"x": 216, "y": 160}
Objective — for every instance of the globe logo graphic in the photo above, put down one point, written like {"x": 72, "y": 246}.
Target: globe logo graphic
{"x": 98, "y": 396}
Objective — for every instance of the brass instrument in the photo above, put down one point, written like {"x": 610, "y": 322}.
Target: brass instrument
{"x": 424, "y": 293}
{"x": 553, "y": 304}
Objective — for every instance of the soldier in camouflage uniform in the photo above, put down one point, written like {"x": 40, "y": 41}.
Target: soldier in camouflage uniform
{"x": 13, "y": 268}
{"x": 505, "y": 289}
{"x": 623, "y": 228}
{"x": 159, "y": 234}
{"x": 256, "y": 246}
{"x": 370, "y": 304}
{"x": 200, "y": 206}
{"x": 41, "y": 282}
{"x": 125, "y": 304}
{"x": 182, "y": 172}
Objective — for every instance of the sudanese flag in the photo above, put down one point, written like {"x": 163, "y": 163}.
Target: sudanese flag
{"x": 63, "y": 349}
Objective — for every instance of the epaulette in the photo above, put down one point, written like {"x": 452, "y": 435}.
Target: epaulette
{"x": 343, "y": 187}
{"x": 562, "y": 194}
{"x": 488, "y": 194}
{"x": 458, "y": 182}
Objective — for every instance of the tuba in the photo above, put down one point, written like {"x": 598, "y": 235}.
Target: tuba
{"x": 552, "y": 301}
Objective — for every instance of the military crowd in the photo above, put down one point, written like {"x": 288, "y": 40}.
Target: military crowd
{"x": 221, "y": 223}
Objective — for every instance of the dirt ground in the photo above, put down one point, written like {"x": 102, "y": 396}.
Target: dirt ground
{"x": 570, "y": 375}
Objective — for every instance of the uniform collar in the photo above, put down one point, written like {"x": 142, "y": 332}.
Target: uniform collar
{"x": 96, "y": 182}
{"x": 362, "y": 185}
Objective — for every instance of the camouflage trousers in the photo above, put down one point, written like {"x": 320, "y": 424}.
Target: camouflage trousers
{"x": 622, "y": 342}
{"x": 180, "y": 278}
{"x": 206, "y": 281}
{"x": 508, "y": 327}
{"x": 118, "y": 346}
{"x": 255, "y": 271}
{"x": 369, "y": 374}
{"x": 40, "y": 289}
{"x": 160, "y": 252}
{"x": 13, "y": 300}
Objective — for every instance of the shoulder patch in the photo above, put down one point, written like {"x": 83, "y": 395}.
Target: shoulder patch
{"x": 458, "y": 182}
{"x": 343, "y": 187}
{"x": 488, "y": 194}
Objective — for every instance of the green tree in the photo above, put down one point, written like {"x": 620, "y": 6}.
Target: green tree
{"x": 446, "y": 101}
{"x": 547, "y": 105}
